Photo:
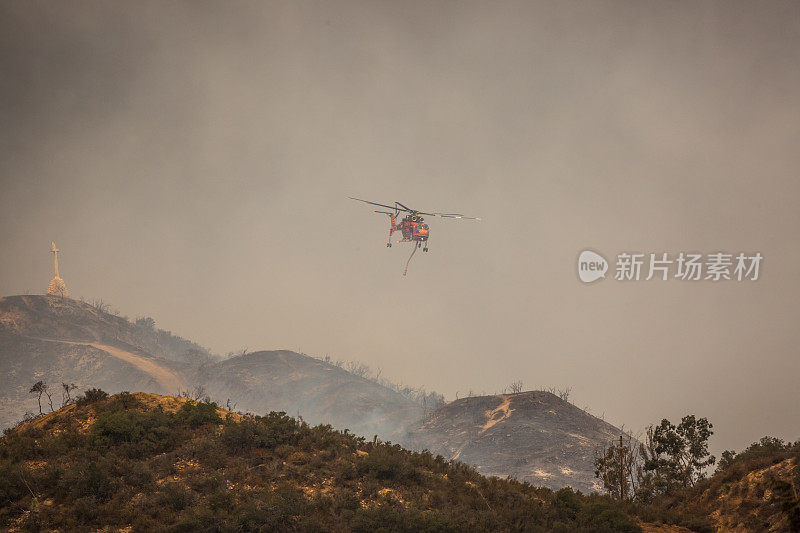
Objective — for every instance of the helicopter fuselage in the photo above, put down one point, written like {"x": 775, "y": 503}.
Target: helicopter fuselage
{"x": 412, "y": 227}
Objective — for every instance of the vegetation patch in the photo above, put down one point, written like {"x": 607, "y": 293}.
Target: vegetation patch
{"x": 142, "y": 466}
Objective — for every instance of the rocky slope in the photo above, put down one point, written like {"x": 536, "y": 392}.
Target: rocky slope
{"x": 533, "y": 436}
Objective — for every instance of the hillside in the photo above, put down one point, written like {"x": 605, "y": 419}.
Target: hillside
{"x": 533, "y": 436}
{"x": 59, "y": 340}
{"x": 750, "y": 502}
{"x": 755, "y": 490}
{"x": 48, "y": 317}
{"x": 63, "y": 340}
{"x": 317, "y": 391}
{"x": 148, "y": 462}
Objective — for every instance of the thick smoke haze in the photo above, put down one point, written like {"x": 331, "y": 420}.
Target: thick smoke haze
{"x": 192, "y": 161}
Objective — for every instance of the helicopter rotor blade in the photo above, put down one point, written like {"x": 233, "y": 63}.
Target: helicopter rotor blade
{"x": 406, "y": 208}
{"x": 379, "y": 205}
{"x": 451, "y": 215}
{"x": 400, "y": 207}
{"x": 457, "y": 215}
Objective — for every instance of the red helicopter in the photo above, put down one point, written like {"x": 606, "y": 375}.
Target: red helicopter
{"x": 412, "y": 225}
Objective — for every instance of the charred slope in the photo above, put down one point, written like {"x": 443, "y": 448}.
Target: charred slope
{"x": 533, "y": 436}
{"x": 58, "y": 340}
{"x": 51, "y": 317}
{"x": 25, "y": 361}
{"x": 317, "y": 391}
{"x": 61, "y": 318}
{"x": 144, "y": 462}
{"x": 63, "y": 340}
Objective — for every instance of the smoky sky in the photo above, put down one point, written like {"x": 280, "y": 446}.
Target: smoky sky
{"x": 192, "y": 160}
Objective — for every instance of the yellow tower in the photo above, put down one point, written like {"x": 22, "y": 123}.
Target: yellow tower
{"x": 57, "y": 286}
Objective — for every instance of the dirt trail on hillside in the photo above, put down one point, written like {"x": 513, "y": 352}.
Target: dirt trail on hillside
{"x": 165, "y": 377}
{"x": 499, "y": 413}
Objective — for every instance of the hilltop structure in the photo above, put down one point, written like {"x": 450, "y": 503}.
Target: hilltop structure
{"x": 57, "y": 286}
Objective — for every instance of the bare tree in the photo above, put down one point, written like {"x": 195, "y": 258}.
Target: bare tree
{"x": 564, "y": 394}
{"x": 358, "y": 369}
{"x": 38, "y": 388}
{"x": 616, "y": 465}
{"x": 99, "y": 305}
{"x": 516, "y": 387}
{"x": 66, "y": 393}
{"x": 198, "y": 394}
{"x": 49, "y": 398}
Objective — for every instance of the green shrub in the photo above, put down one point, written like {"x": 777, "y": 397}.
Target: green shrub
{"x": 568, "y": 499}
{"x": 604, "y": 516}
{"x": 126, "y": 400}
{"x": 199, "y": 414}
{"x": 175, "y": 496}
{"x": 88, "y": 479}
{"x": 91, "y": 396}
{"x": 137, "y": 433}
{"x": 268, "y": 432}
{"x": 12, "y": 486}
{"x": 261, "y": 473}
{"x": 383, "y": 462}
{"x": 391, "y": 518}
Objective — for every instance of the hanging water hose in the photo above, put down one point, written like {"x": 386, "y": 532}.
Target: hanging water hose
{"x": 409, "y": 258}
